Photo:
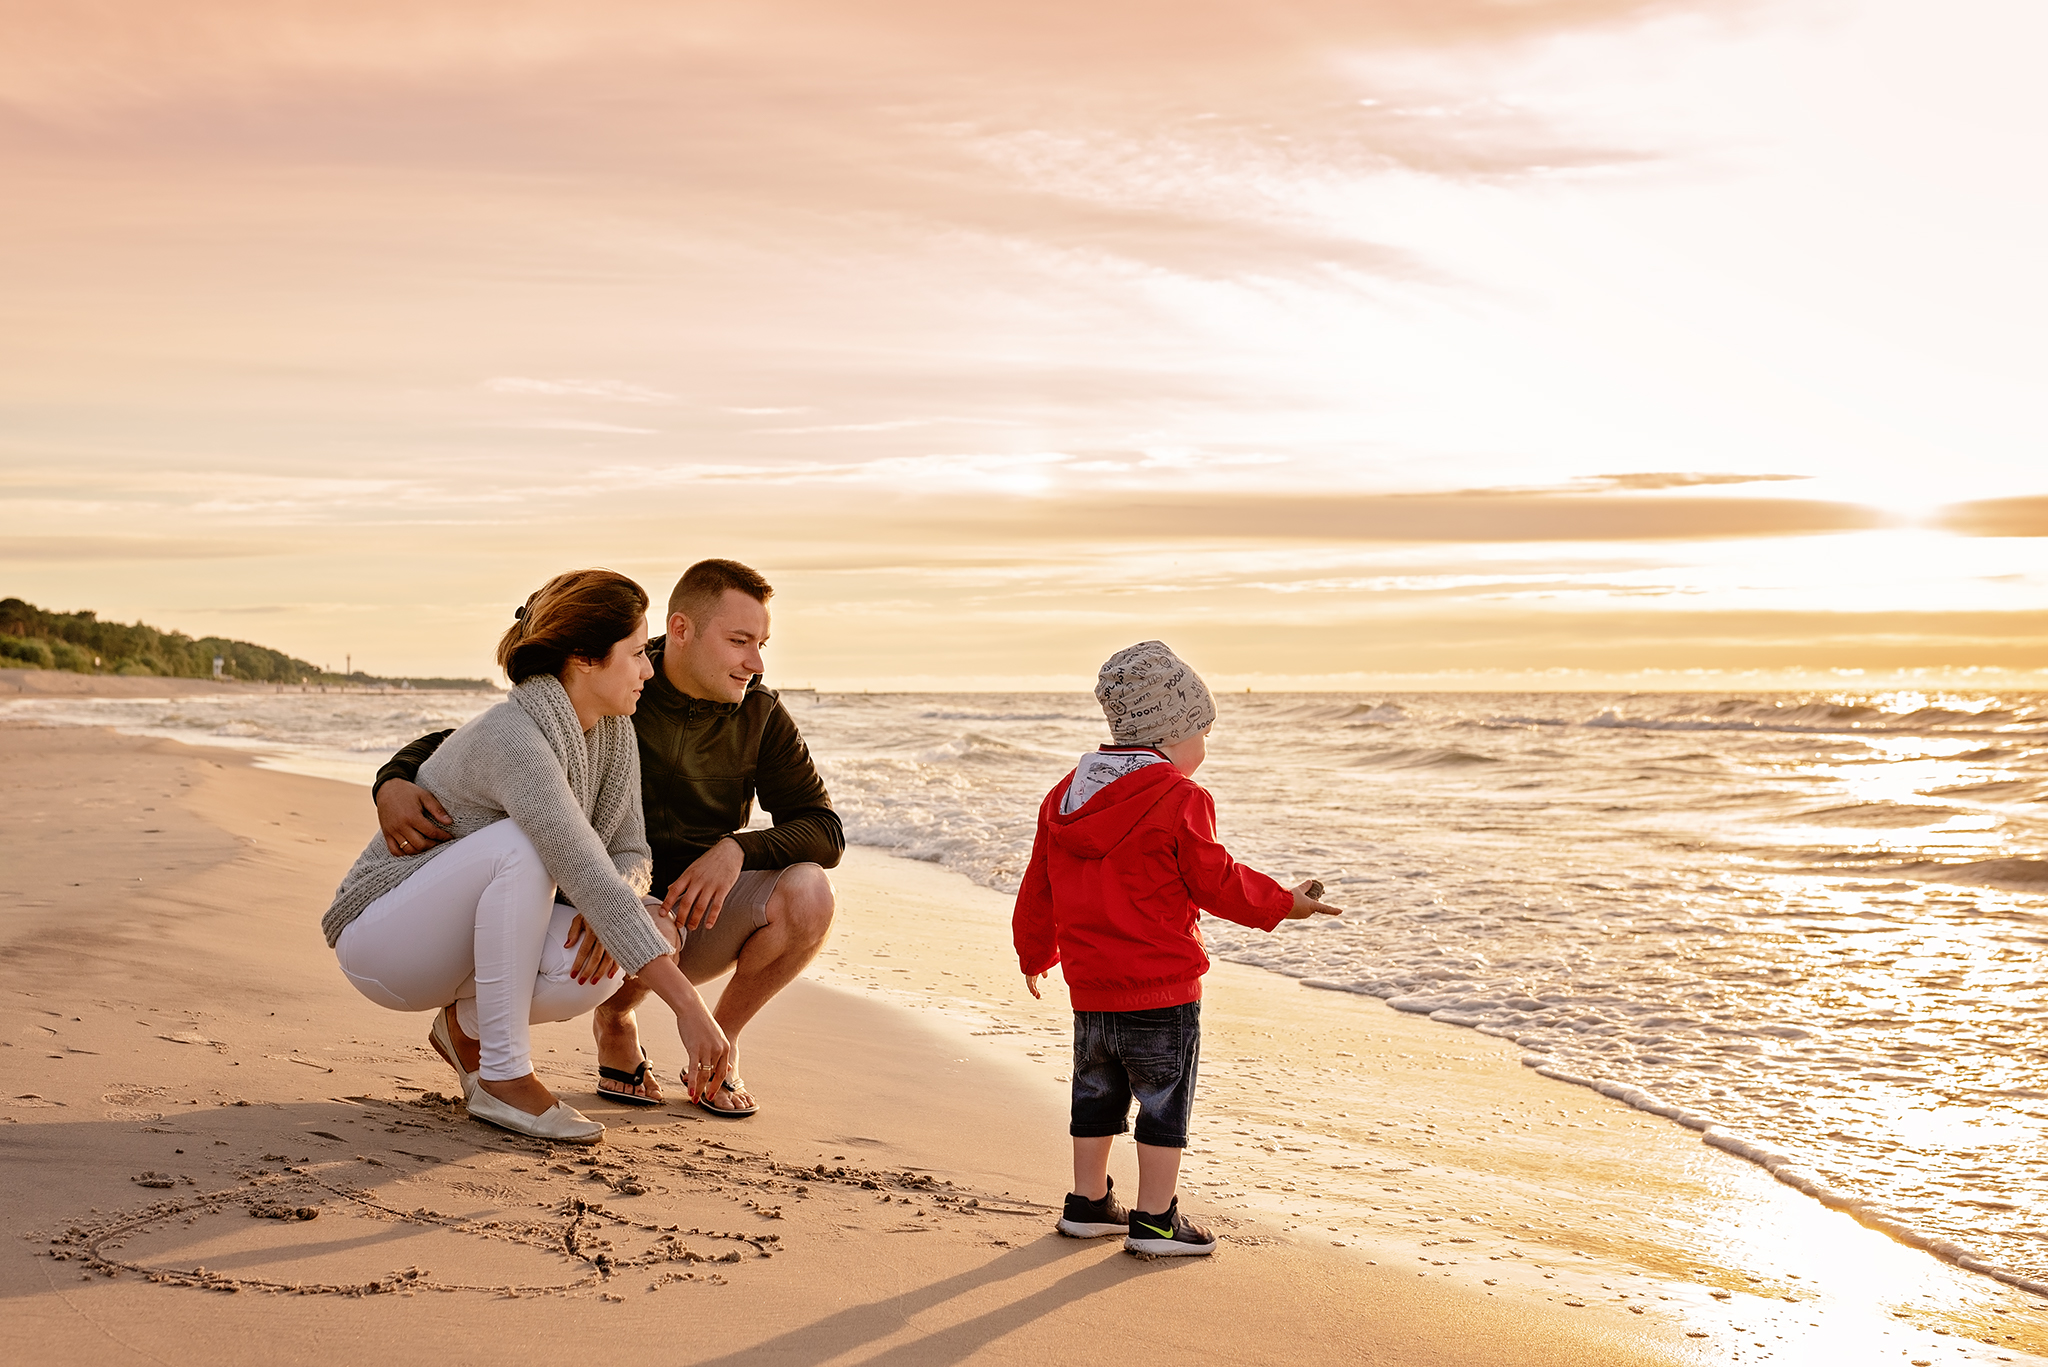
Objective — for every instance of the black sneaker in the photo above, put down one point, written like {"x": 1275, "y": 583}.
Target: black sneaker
{"x": 1171, "y": 1235}
{"x": 1085, "y": 1219}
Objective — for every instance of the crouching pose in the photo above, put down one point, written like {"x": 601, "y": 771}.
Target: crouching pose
{"x": 755, "y": 902}
{"x": 542, "y": 791}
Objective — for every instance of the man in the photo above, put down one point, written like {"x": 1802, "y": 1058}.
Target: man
{"x": 711, "y": 739}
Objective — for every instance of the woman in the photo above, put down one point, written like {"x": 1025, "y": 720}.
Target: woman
{"x": 544, "y": 792}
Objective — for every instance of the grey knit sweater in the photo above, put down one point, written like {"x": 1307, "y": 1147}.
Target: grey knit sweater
{"x": 575, "y": 794}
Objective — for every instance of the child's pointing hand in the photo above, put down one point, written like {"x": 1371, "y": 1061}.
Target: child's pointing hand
{"x": 1307, "y": 902}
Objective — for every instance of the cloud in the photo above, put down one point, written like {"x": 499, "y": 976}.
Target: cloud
{"x": 2024, "y": 516}
{"x": 137, "y": 49}
{"x": 1027, "y": 472}
{"x": 1414, "y": 636}
{"x": 886, "y": 425}
{"x": 1627, "y": 640}
{"x": 1649, "y": 480}
{"x": 577, "y": 425}
{"x": 90, "y": 549}
{"x": 1080, "y": 129}
{"x": 616, "y": 391}
{"x": 1478, "y": 516}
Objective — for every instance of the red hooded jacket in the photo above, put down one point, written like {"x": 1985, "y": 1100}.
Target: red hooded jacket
{"x": 1113, "y": 888}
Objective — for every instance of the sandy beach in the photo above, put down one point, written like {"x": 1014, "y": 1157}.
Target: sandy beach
{"x": 216, "y": 1151}
{"x": 58, "y": 683}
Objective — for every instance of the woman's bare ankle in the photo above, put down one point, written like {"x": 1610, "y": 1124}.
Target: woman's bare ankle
{"x": 528, "y": 1093}
{"x": 468, "y": 1050}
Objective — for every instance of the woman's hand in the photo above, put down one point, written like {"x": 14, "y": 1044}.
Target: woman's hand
{"x": 709, "y": 1050}
{"x": 593, "y": 960}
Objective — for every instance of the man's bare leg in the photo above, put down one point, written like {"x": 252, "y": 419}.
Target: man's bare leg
{"x": 617, "y": 1031}
{"x": 799, "y": 918}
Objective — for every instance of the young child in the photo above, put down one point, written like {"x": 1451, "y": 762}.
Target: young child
{"x": 1125, "y": 856}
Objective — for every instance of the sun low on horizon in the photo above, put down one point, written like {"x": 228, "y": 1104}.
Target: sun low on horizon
{"x": 1556, "y": 343}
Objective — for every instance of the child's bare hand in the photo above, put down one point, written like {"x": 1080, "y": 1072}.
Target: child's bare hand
{"x": 1031, "y": 981}
{"x": 1307, "y": 902}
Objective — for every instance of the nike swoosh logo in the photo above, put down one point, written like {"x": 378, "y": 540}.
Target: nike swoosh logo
{"x": 1155, "y": 1231}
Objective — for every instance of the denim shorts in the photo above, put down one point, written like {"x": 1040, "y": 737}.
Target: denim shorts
{"x": 1150, "y": 1055}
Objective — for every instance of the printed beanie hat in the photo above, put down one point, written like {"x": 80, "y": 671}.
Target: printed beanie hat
{"x": 1151, "y": 697}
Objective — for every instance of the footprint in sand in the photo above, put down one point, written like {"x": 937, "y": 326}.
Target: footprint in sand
{"x": 135, "y": 1101}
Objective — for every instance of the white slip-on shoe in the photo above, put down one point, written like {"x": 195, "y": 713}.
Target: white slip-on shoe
{"x": 560, "y": 1122}
{"x": 444, "y": 1044}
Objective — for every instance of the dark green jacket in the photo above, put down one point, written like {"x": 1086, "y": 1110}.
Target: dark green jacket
{"x": 702, "y": 764}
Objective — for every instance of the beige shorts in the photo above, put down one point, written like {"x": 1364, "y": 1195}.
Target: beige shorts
{"x": 708, "y": 953}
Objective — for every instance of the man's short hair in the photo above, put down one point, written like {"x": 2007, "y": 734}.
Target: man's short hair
{"x": 705, "y": 583}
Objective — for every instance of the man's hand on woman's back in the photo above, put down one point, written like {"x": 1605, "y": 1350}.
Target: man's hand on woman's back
{"x": 411, "y": 818}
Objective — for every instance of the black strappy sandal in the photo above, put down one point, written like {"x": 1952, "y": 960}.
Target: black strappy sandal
{"x": 703, "y": 1103}
{"x": 633, "y": 1078}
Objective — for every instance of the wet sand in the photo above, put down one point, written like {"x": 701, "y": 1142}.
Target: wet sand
{"x": 62, "y": 683}
{"x": 215, "y": 1151}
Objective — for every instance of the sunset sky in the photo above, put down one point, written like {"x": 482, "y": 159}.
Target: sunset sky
{"x": 1340, "y": 343}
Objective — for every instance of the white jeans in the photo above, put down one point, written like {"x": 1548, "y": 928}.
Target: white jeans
{"x": 477, "y": 926}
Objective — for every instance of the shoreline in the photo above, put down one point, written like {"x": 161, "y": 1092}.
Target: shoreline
{"x": 1558, "y": 1186}
{"x": 1782, "y": 1166}
{"x": 60, "y": 683}
{"x": 1524, "y": 1223}
{"x": 64, "y": 683}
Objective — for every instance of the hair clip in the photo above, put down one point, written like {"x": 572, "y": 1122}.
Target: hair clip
{"x": 519, "y": 613}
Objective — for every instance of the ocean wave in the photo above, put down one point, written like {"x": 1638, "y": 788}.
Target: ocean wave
{"x": 1422, "y": 758}
{"x": 1998, "y": 790}
{"x": 1339, "y": 713}
{"x": 1825, "y": 718}
{"x": 2030, "y": 875}
{"x": 1006, "y": 716}
{"x": 1878, "y": 815}
{"x": 976, "y": 747}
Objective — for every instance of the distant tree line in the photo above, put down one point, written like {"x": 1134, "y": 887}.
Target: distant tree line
{"x": 33, "y": 638}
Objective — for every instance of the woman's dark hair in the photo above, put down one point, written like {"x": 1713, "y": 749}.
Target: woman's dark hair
{"x": 579, "y": 615}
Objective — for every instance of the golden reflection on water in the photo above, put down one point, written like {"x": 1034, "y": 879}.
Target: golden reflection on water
{"x": 1854, "y": 1293}
{"x": 1910, "y": 795}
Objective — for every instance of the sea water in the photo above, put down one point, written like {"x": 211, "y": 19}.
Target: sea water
{"x": 1811, "y": 926}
